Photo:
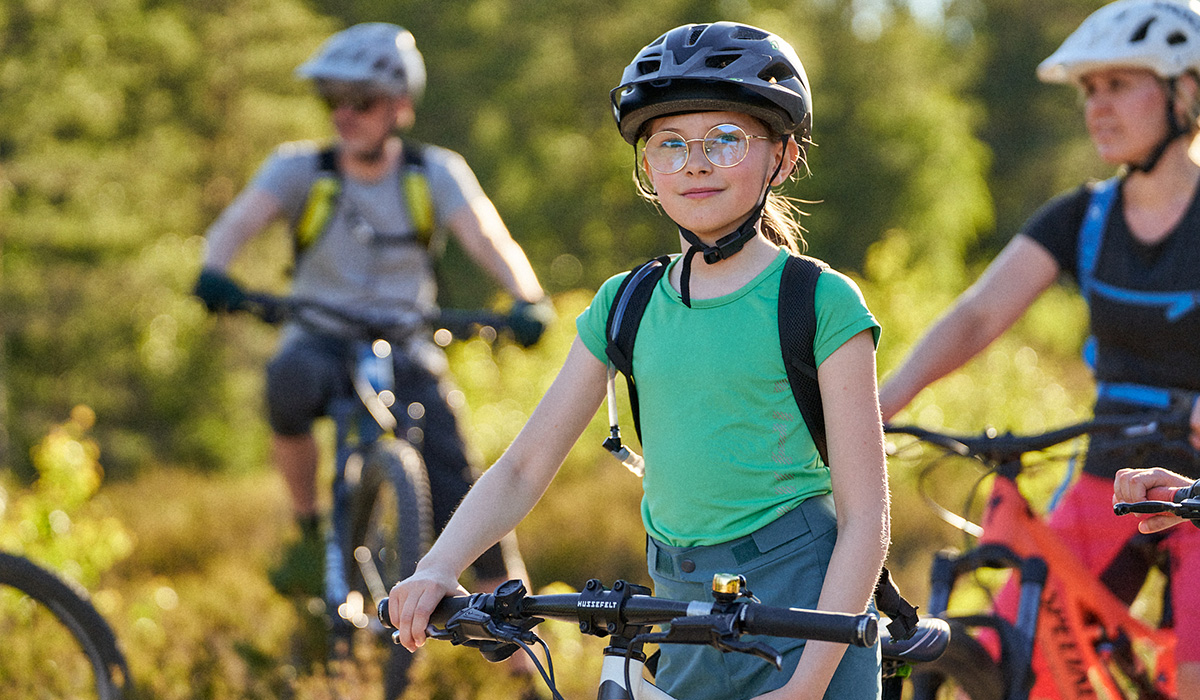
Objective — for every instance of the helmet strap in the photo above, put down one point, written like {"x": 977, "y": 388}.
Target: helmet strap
{"x": 727, "y": 245}
{"x": 1174, "y": 131}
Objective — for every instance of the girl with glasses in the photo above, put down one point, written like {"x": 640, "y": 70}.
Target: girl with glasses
{"x": 718, "y": 115}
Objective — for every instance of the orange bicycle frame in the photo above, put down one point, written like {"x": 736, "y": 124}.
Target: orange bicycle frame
{"x": 1075, "y": 606}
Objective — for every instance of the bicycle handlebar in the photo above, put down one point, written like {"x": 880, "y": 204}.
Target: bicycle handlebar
{"x": 461, "y": 323}
{"x": 602, "y": 612}
{"x": 1133, "y": 429}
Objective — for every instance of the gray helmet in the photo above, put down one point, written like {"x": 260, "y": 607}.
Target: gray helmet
{"x": 715, "y": 67}
{"x": 381, "y": 56}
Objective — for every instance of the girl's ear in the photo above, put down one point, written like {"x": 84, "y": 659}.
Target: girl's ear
{"x": 791, "y": 156}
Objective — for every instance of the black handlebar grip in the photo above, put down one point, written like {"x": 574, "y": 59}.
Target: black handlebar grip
{"x": 445, "y": 610}
{"x": 842, "y": 628}
{"x": 1186, "y": 492}
{"x": 384, "y": 615}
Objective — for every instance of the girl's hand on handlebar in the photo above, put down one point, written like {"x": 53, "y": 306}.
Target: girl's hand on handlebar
{"x": 412, "y": 601}
{"x": 1134, "y": 485}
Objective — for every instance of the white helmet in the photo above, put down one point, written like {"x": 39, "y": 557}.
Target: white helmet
{"x": 1162, "y": 36}
{"x": 380, "y": 55}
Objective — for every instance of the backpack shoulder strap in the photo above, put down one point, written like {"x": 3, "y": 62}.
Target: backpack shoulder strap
{"x": 415, "y": 183}
{"x": 797, "y": 330}
{"x": 624, "y": 317}
{"x": 322, "y": 199}
{"x": 1091, "y": 231}
{"x": 1091, "y": 235}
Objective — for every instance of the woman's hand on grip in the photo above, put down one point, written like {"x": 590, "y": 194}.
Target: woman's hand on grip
{"x": 1134, "y": 485}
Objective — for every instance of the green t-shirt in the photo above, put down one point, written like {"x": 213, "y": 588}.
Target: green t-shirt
{"x": 726, "y": 448}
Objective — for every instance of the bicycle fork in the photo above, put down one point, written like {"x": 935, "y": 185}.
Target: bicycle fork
{"x": 1016, "y": 639}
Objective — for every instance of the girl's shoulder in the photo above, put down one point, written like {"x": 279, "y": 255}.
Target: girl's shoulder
{"x": 834, "y": 282}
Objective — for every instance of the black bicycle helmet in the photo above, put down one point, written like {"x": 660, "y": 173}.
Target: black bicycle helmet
{"x": 715, "y": 67}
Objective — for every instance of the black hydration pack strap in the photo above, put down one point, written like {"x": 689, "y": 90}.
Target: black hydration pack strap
{"x": 797, "y": 330}
{"x": 624, "y": 317}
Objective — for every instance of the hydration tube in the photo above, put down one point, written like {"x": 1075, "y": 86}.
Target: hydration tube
{"x": 632, "y": 460}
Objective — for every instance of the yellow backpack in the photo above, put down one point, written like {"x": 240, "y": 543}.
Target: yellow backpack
{"x": 323, "y": 198}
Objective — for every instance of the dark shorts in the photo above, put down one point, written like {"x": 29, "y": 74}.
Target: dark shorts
{"x": 310, "y": 371}
{"x": 784, "y": 564}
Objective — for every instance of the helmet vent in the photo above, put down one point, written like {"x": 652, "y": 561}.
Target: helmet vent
{"x": 694, "y": 36}
{"x": 776, "y": 73}
{"x": 749, "y": 34}
{"x": 719, "y": 61}
{"x": 1177, "y": 38}
{"x": 646, "y": 67}
{"x": 1140, "y": 34}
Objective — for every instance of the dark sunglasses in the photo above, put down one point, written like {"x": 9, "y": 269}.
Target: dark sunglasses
{"x": 359, "y": 104}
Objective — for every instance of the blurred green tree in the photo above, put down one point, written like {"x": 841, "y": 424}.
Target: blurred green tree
{"x": 1034, "y": 131}
{"x": 126, "y": 125}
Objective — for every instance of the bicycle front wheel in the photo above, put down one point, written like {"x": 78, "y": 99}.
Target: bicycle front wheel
{"x": 392, "y": 527}
{"x": 965, "y": 670}
{"x": 56, "y": 645}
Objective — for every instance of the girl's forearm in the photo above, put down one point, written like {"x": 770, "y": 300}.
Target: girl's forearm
{"x": 493, "y": 507}
{"x": 508, "y": 491}
{"x": 849, "y": 585}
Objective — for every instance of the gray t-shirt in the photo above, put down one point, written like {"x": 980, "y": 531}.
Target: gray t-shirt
{"x": 368, "y": 258}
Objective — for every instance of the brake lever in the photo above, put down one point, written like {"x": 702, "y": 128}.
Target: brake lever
{"x": 717, "y": 631}
{"x": 1188, "y": 509}
{"x": 475, "y": 625}
{"x": 759, "y": 649}
{"x": 1145, "y": 507}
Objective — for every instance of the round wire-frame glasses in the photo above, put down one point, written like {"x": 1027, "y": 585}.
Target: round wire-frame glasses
{"x": 725, "y": 145}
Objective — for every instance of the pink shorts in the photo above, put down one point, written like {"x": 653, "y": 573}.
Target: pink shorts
{"x": 1085, "y": 521}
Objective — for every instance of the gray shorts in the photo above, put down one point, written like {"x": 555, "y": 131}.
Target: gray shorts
{"x": 784, "y": 564}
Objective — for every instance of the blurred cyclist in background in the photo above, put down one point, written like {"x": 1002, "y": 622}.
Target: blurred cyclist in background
{"x": 1132, "y": 243}
{"x": 366, "y": 214}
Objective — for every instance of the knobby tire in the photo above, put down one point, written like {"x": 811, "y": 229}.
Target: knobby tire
{"x": 393, "y": 519}
{"x": 42, "y": 594}
{"x": 965, "y": 669}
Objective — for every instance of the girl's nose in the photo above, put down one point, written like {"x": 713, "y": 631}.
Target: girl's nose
{"x": 697, "y": 161}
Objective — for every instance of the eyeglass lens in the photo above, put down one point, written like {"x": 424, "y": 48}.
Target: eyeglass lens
{"x": 725, "y": 145}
